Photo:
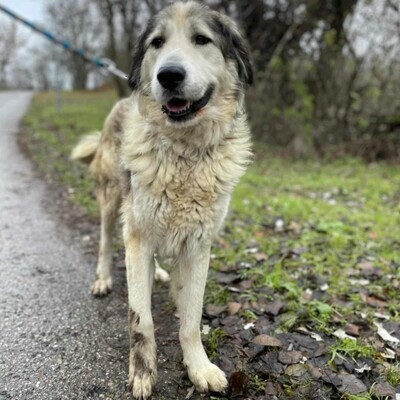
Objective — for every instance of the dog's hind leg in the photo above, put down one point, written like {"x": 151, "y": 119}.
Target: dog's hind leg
{"x": 109, "y": 198}
{"x": 189, "y": 294}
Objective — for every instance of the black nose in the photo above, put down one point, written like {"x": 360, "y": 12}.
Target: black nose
{"x": 171, "y": 76}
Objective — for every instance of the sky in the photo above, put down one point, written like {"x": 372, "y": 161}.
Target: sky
{"x": 32, "y": 10}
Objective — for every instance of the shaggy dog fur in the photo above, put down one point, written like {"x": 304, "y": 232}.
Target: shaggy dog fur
{"x": 172, "y": 154}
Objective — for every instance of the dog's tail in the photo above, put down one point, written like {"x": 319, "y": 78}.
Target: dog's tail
{"x": 86, "y": 148}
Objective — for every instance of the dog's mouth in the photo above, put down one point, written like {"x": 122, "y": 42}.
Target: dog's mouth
{"x": 178, "y": 109}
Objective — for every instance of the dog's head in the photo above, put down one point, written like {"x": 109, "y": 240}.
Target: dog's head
{"x": 188, "y": 60}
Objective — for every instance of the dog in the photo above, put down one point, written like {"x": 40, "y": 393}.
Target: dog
{"x": 170, "y": 156}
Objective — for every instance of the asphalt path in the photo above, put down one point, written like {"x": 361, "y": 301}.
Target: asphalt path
{"x": 56, "y": 341}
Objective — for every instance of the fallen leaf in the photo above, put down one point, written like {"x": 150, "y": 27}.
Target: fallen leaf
{"x": 275, "y": 307}
{"x": 238, "y": 383}
{"x": 297, "y": 370}
{"x": 389, "y": 354}
{"x": 352, "y": 329}
{"x": 190, "y": 393}
{"x": 384, "y": 334}
{"x": 359, "y": 282}
{"x": 246, "y": 285}
{"x": 226, "y": 278}
{"x": 315, "y": 372}
{"x": 384, "y": 389}
{"x": 331, "y": 378}
{"x": 295, "y": 227}
{"x": 233, "y": 308}
{"x": 214, "y": 310}
{"x": 363, "y": 368}
{"x": 376, "y": 301}
{"x": 367, "y": 269}
{"x": 382, "y": 316}
{"x": 261, "y": 256}
{"x": 290, "y": 357}
{"x": 341, "y": 334}
{"x": 266, "y": 340}
{"x": 316, "y": 337}
{"x": 351, "y": 385}
{"x": 272, "y": 389}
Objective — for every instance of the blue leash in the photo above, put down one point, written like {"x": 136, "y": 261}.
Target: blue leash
{"x": 103, "y": 63}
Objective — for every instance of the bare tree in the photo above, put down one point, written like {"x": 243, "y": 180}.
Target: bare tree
{"x": 120, "y": 18}
{"x": 78, "y": 22}
{"x": 9, "y": 46}
{"x": 124, "y": 20}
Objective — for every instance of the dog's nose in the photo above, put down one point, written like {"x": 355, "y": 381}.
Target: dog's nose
{"x": 171, "y": 76}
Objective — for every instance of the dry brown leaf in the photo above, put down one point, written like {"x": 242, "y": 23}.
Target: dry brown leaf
{"x": 233, "y": 308}
{"x": 260, "y": 256}
{"x": 238, "y": 382}
{"x": 266, "y": 340}
{"x": 290, "y": 357}
{"x": 275, "y": 307}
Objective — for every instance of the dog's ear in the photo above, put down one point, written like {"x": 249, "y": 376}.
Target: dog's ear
{"x": 137, "y": 58}
{"x": 234, "y": 46}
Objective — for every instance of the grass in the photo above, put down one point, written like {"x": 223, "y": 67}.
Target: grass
{"x": 212, "y": 342}
{"x": 351, "y": 348}
{"x": 393, "y": 375}
{"x": 52, "y": 135}
{"x": 314, "y": 224}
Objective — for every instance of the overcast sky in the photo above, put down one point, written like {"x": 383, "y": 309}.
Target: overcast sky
{"x": 32, "y": 10}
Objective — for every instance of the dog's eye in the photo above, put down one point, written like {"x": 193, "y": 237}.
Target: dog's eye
{"x": 202, "y": 40}
{"x": 157, "y": 42}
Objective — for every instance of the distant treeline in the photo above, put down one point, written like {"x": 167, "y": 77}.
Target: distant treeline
{"x": 327, "y": 72}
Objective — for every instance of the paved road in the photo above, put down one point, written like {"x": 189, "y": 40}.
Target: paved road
{"x": 56, "y": 341}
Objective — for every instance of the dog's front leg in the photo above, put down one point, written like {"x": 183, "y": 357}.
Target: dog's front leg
{"x": 193, "y": 269}
{"x": 140, "y": 274}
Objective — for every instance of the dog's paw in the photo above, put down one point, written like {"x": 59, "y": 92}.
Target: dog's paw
{"x": 161, "y": 275}
{"x": 208, "y": 377}
{"x": 142, "y": 374}
{"x": 142, "y": 386}
{"x": 101, "y": 287}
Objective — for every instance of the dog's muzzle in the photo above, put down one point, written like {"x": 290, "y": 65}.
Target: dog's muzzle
{"x": 179, "y": 109}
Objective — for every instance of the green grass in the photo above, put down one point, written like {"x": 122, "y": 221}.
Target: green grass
{"x": 333, "y": 216}
{"x": 351, "y": 348}
{"x": 51, "y": 136}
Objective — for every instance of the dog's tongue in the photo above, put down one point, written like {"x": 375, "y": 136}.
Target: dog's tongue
{"x": 177, "y": 105}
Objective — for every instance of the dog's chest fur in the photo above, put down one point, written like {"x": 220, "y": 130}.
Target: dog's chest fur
{"x": 180, "y": 191}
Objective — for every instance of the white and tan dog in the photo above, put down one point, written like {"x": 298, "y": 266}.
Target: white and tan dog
{"x": 173, "y": 153}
